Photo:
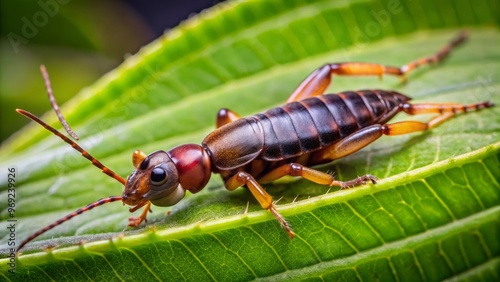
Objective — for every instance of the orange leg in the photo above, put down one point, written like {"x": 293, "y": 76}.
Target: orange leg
{"x": 295, "y": 169}
{"x": 367, "y": 135}
{"x": 265, "y": 200}
{"x": 135, "y": 221}
{"x": 225, "y": 116}
{"x": 317, "y": 82}
{"x": 443, "y": 108}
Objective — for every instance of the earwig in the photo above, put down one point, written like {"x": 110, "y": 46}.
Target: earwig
{"x": 312, "y": 128}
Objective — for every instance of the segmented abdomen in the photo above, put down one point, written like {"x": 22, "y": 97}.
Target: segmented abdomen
{"x": 314, "y": 123}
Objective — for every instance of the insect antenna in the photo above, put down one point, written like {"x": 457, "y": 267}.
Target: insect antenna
{"x": 68, "y": 217}
{"x": 53, "y": 102}
{"x": 93, "y": 160}
{"x": 77, "y": 147}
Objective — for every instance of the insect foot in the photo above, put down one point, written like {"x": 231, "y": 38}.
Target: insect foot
{"x": 358, "y": 181}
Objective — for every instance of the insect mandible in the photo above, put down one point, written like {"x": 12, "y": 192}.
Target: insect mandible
{"x": 312, "y": 128}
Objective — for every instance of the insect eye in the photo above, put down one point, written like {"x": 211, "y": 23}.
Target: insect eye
{"x": 158, "y": 176}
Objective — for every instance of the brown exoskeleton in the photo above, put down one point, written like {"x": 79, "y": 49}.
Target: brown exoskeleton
{"x": 312, "y": 128}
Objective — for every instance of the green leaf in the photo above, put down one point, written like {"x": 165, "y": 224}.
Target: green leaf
{"x": 434, "y": 214}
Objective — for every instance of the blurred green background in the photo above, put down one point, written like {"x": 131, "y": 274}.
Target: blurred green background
{"x": 77, "y": 40}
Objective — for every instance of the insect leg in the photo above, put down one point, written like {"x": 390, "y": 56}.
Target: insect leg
{"x": 265, "y": 200}
{"x": 135, "y": 221}
{"x": 318, "y": 81}
{"x": 350, "y": 144}
{"x": 225, "y": 116}
{"x": 367, "y": 135}
{"x": 445, "y": 111}
{"x": 295, "y": 169}
{"x": 363, "y": 137}
{"x": 438, "y": 56}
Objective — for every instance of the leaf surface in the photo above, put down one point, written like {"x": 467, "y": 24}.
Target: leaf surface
{"x": 434, "y": 215}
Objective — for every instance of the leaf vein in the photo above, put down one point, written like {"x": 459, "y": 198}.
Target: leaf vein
{"x": 484, "y": 245}
{"x": 363, "y": 219}
{"x": 236, "y": 254}
{"x": 82, "y": 270}
{"x": 197, "y": 259}
{"x": 445, "y": 256}
{"x": 336, "y": 232}
{"x": 443, "y": 204}
{"x": 48, "y": 276}
{"x": 270, "y": 247}
{"x": 144, "y": 264}
{"x": 169, "y": 263}
{"x": 410, "y": 208}
{"x": 393, "y": 269}
{"x": 391, "y": 215}
{"x": 110, "y": 265}
{"x": 488, "y": 171}
{"x": 417, "y": 263}
{"x": 462, "y": 251}
{"x": 472, "y": 190}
